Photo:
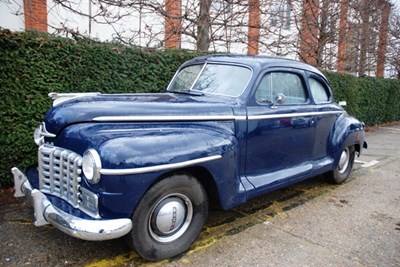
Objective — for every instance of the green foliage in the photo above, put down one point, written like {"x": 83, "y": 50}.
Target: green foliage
{"x": 34, "y": 64}
{"x": 372, "y": 100}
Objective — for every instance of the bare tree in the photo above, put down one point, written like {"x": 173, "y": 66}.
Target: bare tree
{"x": 318, "y": 26}
{"x": 336, "y": 35}
{"x": 369, "y": 31}
{"x": 279, "y": 34}
{"x": 394, "y": 44}
{"x": 364, "y": 8}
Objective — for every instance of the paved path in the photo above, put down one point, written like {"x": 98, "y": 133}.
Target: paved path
{"x": 355, "y": 224}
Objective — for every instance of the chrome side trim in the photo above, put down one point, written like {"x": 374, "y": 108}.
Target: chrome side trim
{"x": 209, "y": 118}
{"x": 59, "y": 98}
{"x": 169, "y": 118}
{"x": 46, "y": 213}
{"x": 291, "y": 115}
{"x": 158, "y": 167}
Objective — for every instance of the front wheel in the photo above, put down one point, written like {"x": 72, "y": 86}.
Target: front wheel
{"x": 169, "y": 217}
{"x": 344, "y": 167}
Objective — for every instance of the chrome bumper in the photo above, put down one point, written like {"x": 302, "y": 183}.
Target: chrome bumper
{"x": 46, "y": 213}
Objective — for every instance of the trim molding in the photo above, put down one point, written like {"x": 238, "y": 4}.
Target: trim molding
{"x": 210, "y": 118}
{"x": 291, "y": 115}
{"x": 169, "y": 118}
{"x": 158, "y": 167}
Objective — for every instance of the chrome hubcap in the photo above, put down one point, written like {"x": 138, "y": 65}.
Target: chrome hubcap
{"x": 344, "y": 161}
{"x": 170, "y": 217}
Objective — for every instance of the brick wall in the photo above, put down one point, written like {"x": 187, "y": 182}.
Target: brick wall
{"x": 35, "y": 15}
{"x": 383, "y": 38}
{"x": 309, "y": 32}
{"x": 173, "y": 24}
{"x": 254, "y": 27}
{"x": 343, "y": 24}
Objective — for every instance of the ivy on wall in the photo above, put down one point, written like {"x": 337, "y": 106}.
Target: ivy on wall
{"x": 33, "y": 64}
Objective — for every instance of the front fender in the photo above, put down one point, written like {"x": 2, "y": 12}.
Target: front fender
{"x": 347, "y": 131}
{"x": 130, "y": 145}
{"x": 164, "y": 146}
{"x": 143, "y": 146}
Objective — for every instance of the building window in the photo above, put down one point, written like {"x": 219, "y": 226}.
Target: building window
{"x": 221, "y": 6}
{"x": 281, "y": 14}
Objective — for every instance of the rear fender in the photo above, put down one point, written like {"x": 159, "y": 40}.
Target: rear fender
{"x": 347, "y": 131}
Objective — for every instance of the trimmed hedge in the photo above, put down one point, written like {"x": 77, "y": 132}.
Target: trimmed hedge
{"x": 34, "y": 64}
{"x": 373, "y": 101}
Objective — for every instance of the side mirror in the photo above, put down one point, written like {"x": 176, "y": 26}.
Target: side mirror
{"x": 280, "y": 99}
{"x": 342, "y": 103}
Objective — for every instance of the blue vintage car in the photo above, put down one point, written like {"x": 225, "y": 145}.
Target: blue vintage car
{"x": 227, "y": 127}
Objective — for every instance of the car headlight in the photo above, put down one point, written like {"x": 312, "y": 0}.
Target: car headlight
{"x": 91, "y": 165}
{"x": 37, "y": 135}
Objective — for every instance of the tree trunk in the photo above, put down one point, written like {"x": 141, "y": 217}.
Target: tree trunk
{"x": 203, "y": 26}
{"x": 323, "y": 31}
{"x": 364, "y": 42}
{"x": 383, "y": 39}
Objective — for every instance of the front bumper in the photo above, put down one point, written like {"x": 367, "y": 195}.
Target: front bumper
{"x": 47, "y": 213}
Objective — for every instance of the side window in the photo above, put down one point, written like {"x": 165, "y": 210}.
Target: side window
{"x": 275, "y": 83}
{"x": 263, "y": 91}
{"x": 318, "y": 91}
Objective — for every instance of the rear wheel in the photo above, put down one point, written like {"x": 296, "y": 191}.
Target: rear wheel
{"x": 169, "y": 217}
{"x": 344, "y": 167}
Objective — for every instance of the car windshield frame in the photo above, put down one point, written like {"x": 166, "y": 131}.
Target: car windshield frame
{"x": 204, "y": 67}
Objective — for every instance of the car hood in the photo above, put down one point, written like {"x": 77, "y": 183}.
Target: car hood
{"x": 137, "y": 108}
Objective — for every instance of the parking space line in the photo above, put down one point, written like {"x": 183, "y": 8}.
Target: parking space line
{"x": 366, "y": 164}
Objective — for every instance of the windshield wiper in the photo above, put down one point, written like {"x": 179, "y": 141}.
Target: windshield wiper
{"x": 186, "y": 92}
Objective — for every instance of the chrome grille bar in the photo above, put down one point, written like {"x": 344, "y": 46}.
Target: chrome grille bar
{"x": 59, "y": 173}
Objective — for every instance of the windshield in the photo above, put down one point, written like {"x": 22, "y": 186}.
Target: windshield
{"x": 229, "y": 80}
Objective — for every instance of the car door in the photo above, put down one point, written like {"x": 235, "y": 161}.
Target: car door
{"x": 326, "y": 115}
{"x": 280, "y": 134}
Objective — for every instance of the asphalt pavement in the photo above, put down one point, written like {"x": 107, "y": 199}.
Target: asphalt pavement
{"x": 310, "y": 224}
{"x": 354, "y": 224}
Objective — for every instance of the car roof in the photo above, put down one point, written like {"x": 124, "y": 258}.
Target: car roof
{"x": 255, "y": 62}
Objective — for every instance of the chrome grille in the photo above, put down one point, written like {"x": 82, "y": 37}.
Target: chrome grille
{"x": 60, "y": 173}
